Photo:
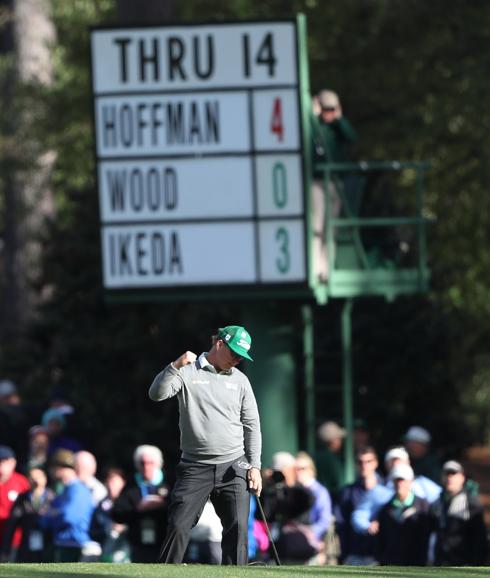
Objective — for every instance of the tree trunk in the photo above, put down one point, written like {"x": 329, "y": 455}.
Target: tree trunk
{"x": 9, "y": 297}
{"x": 27, "y": 198}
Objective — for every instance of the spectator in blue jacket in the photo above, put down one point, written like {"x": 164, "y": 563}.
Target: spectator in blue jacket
{"x": 321, "y": 512}
{"x": 357, "y": 548}
{"x": 320, "y": 516}
{"x": 70, "y": 513}
{"x": 364, "y": 515}
{"x": 252, "y": 540}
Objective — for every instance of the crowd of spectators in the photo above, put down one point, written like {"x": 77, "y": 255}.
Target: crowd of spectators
{"x": 407, "y": 510}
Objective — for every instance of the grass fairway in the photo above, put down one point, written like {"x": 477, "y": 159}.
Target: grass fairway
{"x": 197, "y": 571}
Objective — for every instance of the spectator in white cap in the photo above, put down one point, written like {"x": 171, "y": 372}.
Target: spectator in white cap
{"x": 457, "y": 519}
{"x": 367, "y": 510}
{"x": 282, "y": 494}
{"x": 424, "y": 462}
{"x": 394, "y": 456}
{"x": 423, "y": 487}
{"x": 329, "y": 460}
{"x": 283, "y": 468}
{"x": 280, "y": 476}
{"x": 403, "y": 523}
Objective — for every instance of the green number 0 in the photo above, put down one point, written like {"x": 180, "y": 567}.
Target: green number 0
{"x": 279, "y": 185}
{"x": 283, "y": 262}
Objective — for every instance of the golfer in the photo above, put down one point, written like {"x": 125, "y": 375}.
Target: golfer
{"x": 220, "y": 443}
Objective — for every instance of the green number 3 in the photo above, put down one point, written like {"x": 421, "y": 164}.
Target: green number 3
{"x": 283, "y": 262}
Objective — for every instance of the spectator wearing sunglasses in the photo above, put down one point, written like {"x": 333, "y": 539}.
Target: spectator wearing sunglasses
{"x": 457, "y": 519}
{"x": 332, "y": 136}
{"x": 357, "y": 548}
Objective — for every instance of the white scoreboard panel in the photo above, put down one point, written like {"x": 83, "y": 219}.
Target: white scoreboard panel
{"x": 199, "y": 155}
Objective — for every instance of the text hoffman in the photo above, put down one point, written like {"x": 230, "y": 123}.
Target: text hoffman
{"x": 158, "y": 123}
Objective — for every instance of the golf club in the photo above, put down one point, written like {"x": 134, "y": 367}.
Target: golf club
{"x": 274, "y": 551}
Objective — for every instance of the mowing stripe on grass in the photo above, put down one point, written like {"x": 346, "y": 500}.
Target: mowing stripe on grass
{"x": 204, "y": 571}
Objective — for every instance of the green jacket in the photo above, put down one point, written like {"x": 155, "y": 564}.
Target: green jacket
{"x": 428, "y": 466}
{"x": 330, "y": 470}
{"x": 331, "y": 141}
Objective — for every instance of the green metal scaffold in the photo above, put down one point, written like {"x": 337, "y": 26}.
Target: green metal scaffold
{"x": 368, "y": 255}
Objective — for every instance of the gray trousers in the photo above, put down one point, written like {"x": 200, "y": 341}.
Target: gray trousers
{"x": 320, "y": 252}
{"x": 227, "y": 486}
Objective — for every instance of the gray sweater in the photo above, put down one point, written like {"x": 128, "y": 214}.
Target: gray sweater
{"x": 219, "y": 419}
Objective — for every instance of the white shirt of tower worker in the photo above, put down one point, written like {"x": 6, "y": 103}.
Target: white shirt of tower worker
{"x": 220, "y": 442}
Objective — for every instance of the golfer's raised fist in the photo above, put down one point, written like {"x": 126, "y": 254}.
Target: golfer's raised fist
{"x": 185, "y": 359}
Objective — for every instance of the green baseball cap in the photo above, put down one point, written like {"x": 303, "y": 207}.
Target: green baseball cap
{"x": 237, "y": 338}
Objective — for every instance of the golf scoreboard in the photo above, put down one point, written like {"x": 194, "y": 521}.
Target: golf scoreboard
{"x": 199, "y": 155}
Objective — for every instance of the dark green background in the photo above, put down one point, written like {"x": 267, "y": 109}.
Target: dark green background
{"x": 413, "y": 79}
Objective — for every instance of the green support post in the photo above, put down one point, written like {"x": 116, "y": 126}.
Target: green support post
{"x": 273, "y": 375}
{"x": 309, "y": 377}
{"x": 347, "y": 390}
